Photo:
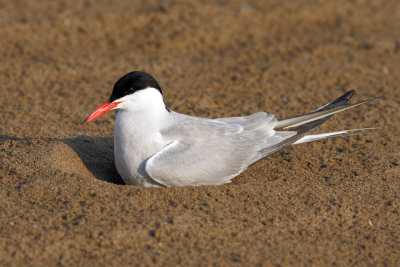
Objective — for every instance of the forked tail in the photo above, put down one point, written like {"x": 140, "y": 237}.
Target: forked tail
{"x": 304, "y": 124}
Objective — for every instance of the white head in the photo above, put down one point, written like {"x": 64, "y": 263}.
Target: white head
{"x": 134, "y": 91}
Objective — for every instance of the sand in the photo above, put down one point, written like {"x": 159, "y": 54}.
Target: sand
{"x": 333, "y": 202}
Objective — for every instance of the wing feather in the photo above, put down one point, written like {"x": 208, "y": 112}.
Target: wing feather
{"x": 204, "y": 151}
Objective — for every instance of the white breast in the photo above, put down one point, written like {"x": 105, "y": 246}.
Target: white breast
{"x": 137, "y": 137}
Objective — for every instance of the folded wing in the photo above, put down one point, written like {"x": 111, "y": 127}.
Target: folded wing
{"x": 204, "y": 151}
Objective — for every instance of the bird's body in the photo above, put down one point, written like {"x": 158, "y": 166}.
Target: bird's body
{"x": 154, "y": 146}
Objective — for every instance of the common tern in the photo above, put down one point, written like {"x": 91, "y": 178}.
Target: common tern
{"x": 155, "y": 146}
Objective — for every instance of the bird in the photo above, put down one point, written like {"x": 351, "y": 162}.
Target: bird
{"x": 155, "y": 146}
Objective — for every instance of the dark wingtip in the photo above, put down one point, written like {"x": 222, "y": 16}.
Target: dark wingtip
{"x": 348, "y": 95}
{"x": 342, "y": 99}
{"x": 338, "y": 101}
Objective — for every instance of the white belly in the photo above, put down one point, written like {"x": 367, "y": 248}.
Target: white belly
{"x": 135, "y": 140}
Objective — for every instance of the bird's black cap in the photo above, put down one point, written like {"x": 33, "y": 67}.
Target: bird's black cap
{"x": 132, "y": 82}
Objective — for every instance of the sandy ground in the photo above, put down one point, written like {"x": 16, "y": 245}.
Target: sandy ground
{"x": 334, "y": 202}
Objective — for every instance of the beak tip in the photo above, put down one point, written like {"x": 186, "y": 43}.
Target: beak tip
{"x": 106, "y": 106}
{"x": 84, "y": 121}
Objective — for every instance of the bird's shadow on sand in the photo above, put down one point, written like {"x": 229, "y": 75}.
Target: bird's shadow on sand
{"x": 97, "y": 153}
{"x": 4, "y": 137}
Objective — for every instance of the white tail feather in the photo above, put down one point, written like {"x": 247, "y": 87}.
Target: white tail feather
{"x": 315, "y": 137}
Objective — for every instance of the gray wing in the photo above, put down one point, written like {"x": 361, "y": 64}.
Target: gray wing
{"x": 255, "y": 120}
{"x": 205, "y": 152}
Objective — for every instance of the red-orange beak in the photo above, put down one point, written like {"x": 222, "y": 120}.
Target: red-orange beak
{"x": 100, "y": 111}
